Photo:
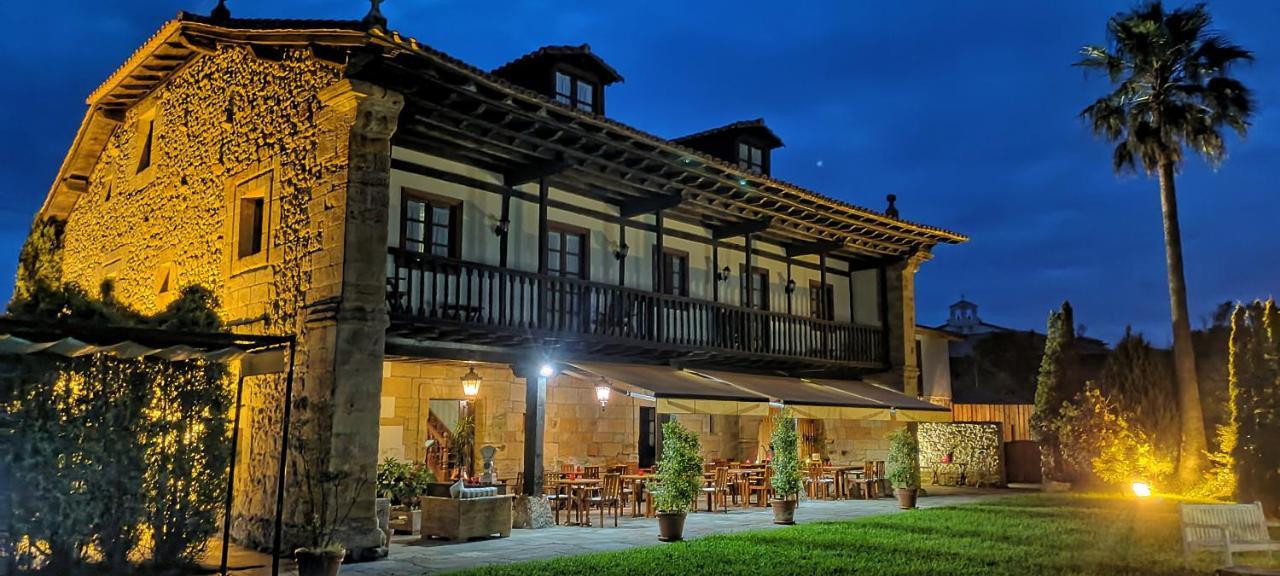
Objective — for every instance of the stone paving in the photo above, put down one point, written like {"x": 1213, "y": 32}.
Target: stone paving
{"x": 409, "y": 558}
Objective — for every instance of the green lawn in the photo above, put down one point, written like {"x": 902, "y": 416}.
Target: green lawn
{"x": 1033, "y": 534}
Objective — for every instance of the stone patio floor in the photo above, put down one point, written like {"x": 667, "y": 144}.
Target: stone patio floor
{"x": 409, "y": 558}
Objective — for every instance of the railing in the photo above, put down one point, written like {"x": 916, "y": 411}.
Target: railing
{"x": 422, "y": 287}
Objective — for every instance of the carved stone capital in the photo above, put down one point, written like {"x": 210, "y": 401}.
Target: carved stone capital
{"x": 374, "y": 110}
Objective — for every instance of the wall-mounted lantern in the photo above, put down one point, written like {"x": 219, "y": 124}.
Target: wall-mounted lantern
{"x": 621, "y": 252}
{"x": 471, "y": 383}
{"x": 791, "y": 286}
{"x": 602, "y": 394}
{"x": 501, "y": 228}
{"x": 724, "y": 273}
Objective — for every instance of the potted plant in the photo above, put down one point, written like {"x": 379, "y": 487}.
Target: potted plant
{"x": 679, "y": 480}
{"x": 402, "y": 483}
{"x": 903, "y": 466}
{"x": 328, "y": 494}
{"x": 785, "y": 466}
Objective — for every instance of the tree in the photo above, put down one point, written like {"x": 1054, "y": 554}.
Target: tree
{"x": 1137, "y": 378}
{"x": 1054, "y": 388}
{"x": 1255, "y": 404}
{"x": 1172, "y": 89}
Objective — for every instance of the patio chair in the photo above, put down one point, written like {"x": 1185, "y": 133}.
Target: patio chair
{"x": 821, "y": 484}
{"x": 761, "y": 485}
{"x": 551, "y": 489}
{"x": 882, "y": 479}
{"x": 718, "y": 491}
{"x": 568, "y": 469}
{"x": 867, "y": 486}
{"x": 610, "y": 496}
{"x": 592, "y": 472}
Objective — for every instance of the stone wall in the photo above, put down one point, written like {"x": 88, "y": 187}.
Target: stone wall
{"x": 578, "y": 430}
{"x": 224, "y": 121}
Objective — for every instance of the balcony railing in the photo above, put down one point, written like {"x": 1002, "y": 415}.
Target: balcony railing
{"x": 430, "y": 289}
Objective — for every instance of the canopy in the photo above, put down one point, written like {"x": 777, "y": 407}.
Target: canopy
{"x": 680, "y": 392}
{"x": 20, "y": 337}
{"x": 902, "y": 406}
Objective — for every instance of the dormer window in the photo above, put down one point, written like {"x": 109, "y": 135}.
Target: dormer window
{"x": 575, "y": 92}
{"x": 750, "y": 158}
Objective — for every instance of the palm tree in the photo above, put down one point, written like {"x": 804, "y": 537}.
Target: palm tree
{"x": 1171, "y": 89}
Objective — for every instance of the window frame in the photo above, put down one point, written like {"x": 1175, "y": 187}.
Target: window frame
{"x": 432, "y": 201}
{"x": 819, "y": 310}
{"x": 745, "y": 163}
{"x": 744, "y": 279}
{"x": 577, "y": 78}
{"x": 664, "y": 282}
{"x": 585, "y": 257}
{"x": 240, "y": 189}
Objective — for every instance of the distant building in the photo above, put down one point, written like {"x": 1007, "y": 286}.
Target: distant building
{"x": 964, "y": 320}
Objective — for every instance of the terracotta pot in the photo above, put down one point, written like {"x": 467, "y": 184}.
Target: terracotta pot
{"x": 319, "y": 562}
{"x": 784, "y": 511}
{"x": 906, "y": 498}
{"x": 671, "y": 526}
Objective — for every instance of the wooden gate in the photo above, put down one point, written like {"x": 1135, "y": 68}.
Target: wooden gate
{"x": 1022, "y": 461}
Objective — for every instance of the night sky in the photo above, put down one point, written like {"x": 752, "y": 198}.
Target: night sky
{"x": 966, "y": 110}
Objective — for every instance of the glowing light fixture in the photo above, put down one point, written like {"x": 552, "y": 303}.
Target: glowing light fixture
{"x": 602, "y": 394}
{"x": 1141, "y": 489}
{"x": 547, "y": 371}
{"x": 471, "y": 383}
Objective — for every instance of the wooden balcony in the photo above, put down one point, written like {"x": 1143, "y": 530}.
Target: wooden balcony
{"x": 441, "y": 299}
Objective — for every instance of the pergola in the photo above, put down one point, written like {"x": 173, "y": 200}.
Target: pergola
{"x": 258, "y": 355}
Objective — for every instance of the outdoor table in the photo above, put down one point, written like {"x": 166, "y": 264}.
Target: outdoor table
{"x": 741, "y": 478}
{"x": 637, "y": 482}
{"x": 840, "y": 473}
{"x": 579, "y": 490}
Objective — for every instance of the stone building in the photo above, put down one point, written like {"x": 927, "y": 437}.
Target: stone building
{"x": 416, "y": 221}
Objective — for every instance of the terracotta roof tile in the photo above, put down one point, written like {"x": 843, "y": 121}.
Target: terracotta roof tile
{"x": 564, "y": 50}
{"x": 741, "y": 124}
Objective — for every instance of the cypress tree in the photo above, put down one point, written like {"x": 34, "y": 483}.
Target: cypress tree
{"x": 1255, "y": 403}
{"x": 1052, "y": 391}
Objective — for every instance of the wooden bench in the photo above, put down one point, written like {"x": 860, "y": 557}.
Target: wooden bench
{"x": 1228, "y": 528}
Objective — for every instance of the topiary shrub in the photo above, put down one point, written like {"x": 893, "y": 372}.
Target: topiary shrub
{"x": 787, "y": 478}
{"x": 903, "y": 462}
{"x": 679, "y": 474}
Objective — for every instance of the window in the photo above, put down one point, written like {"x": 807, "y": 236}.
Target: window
{"x": 751, "y": 158}
{"x": 566, "y": 258}
{"x": 252, "y": 215}
{"x": 758, "y": 281}
{"x": 146, "y": 128}
{"x": 822, "y": 301}
{"x": 575, "y": 92}
{"x": 675, "y": 269}
{"x": 430, "y": 224}
{"x": 252, "y": 205}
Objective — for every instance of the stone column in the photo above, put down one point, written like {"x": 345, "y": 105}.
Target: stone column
{"x": 346, "y": 313}
{"x": 900, "y": 317}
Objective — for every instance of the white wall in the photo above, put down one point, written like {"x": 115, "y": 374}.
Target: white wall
{"x": 935, "y": 366}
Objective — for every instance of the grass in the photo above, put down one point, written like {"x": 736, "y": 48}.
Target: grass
{"x": 1033, "y": 534}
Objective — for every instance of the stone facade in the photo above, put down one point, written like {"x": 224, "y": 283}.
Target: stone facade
{"x": 160, "y": 214}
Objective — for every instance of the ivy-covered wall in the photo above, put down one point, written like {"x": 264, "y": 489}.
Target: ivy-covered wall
{"x": 974, "y": 448}
{"x": 223, "y": 121}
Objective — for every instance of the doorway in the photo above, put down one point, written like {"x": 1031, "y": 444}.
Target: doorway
{"x": 648, "y": 448}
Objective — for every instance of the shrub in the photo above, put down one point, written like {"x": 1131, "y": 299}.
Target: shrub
{"x": 679, "y": 474}
{"x": 903, "y": 462}
{"x": 1098, "y": 439}
{"x": 786, "y": 479}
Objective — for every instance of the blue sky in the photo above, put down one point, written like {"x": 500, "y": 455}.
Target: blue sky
{"x": 966, "y": 110}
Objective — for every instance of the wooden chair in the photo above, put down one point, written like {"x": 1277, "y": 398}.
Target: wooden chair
{"x": 819, "y": 482}
{"x": 762, "y": 485}
{"x": 551, "y": 489}
{"x": 883, "y": 485}
{"x": 568, "y": 469}
{"x": 866, "y": 486}
{"x": 718, "y": 491}
{"x": 610, "y": 496}
{"x": 1230, "y": 528}
{"x": 591, "y": 472}
{"x": 519, "y": 487}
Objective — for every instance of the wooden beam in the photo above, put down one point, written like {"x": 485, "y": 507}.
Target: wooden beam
{"x": 534, "y": 172}
{"x": 821, "y": 248}
{"x": 744, "y": 228}
{"x": 535, "y": 419}
{"x": 638, "y": 206}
